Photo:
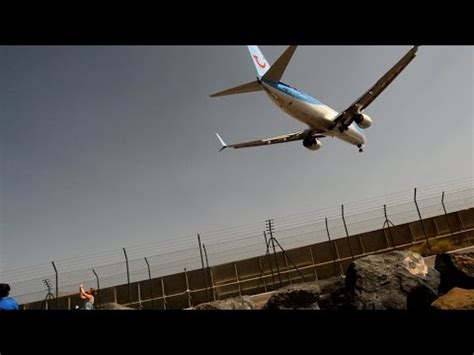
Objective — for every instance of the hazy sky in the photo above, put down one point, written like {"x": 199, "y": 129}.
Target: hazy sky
{"x": 105, "y": 147}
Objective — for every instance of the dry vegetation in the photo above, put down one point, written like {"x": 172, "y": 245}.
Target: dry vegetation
{"x": 437, "y": 247}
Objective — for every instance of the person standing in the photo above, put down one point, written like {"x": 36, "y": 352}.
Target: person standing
{"x": 7, "y": 303}
{"x": 88, "y": 297}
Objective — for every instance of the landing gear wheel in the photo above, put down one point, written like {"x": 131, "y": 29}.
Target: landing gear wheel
{"x": 360, "y": 150}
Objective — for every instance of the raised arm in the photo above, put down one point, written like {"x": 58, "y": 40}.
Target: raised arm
{"x": 83, "y": 294}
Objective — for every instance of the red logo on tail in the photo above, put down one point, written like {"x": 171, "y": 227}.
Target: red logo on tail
{"x": 258, "y": 62}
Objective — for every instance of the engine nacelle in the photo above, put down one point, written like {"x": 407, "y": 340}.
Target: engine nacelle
{"x": 312, "y": 143}
{"x": 363, "y": 120}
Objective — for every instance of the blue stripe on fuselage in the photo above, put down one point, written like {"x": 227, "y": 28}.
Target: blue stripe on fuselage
{"x": 288, "y": 90}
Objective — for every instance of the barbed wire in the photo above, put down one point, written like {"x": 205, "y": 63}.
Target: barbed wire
{"x": 229, "y": 244}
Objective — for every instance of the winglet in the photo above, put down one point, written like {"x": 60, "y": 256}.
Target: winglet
{"x": 224, "y": 146}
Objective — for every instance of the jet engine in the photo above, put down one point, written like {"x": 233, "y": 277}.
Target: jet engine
{"x": 363, "y": 120}
{"x": 311, "y": 143}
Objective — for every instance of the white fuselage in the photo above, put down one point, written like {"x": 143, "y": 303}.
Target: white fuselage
{"x": 316, "y": 115}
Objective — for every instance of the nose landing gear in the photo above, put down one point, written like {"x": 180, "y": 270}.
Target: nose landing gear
{"x": 360, "y": 148}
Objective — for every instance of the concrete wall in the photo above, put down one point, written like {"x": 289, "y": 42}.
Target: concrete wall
{"x": 269, "y": 272}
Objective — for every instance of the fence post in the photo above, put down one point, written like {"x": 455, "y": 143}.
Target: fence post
{"x": 288, "y": 271}
{"x": 267, "y": 244}
{"x": 272, "y": 240}
{"x": 139, "y": 296}
{"x": 49, "y": 296}
{"x": 463, "y": 227}
{"x": 98, "y": 287}
{"x": 211, "y": 279}
{"x": 446, "y": 214}
{"x": 188, "y": 291}
{"x": 151, "y": 286}
{"x": 237, "y": 278}
{"x": 315, "y": 269}
{"x": 412, "y": 234}
{"x": 163, "y": 294}
{"x": 334, "y": 252}
{"x": 128, "y": 278}
{"x": 387, "y": 221}
{"x": 57, "y": 287}
{"x": 347, "y": 232}
{"x": 261, "y": 273}
{"x": 204, "y": 276}
{"x": 422, "y": 224}
{"x": 289, "y": 259}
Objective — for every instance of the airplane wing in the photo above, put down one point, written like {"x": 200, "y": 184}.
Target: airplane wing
{"x": 291, "y": 137}
{"x": 346, "y": 117}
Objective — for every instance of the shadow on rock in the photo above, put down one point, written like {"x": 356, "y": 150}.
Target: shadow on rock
{"x": 237, "y": 303}
{"x": 457, "y": 270}
{"x": 395, "y": 280}
{"x": 324, "y": 294}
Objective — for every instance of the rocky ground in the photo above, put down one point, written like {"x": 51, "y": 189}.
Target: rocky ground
{"x": 397, "y": 280}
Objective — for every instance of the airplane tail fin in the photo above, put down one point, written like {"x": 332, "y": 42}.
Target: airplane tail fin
{"x": 259, "y": 60}
{"x": 249, "y": 87}
{"x": 275, "y": 71}
{"x": 278, "y": 68}
{"x": 264, "y": 71}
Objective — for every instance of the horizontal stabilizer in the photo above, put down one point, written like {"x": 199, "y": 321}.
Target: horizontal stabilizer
{"x": 249, "y": 87}
{"x": 224, "y": 146}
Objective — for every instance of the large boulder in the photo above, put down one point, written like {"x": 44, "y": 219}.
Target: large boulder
{"x": 298, "y": 296}
{"x": 325, "y": 294}
{"x": 457, "y": 270}
{"x": 261, "y": 299}
{"x": 237, "y": 303}
{"x": 394, "y": 280}
{"x": 456, "y": 299}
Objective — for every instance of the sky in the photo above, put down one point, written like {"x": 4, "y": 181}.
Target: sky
{"x": 108, "y": 146}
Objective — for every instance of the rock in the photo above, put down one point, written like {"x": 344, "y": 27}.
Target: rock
{"x": 298, "y": 296}
{"x": 113, "y": 306}
{"x": 393, "y": 280}
{"x": 332, "y": 293}
{"x": 237, "y": 303}
{"x": 325, "y": 294}
{"x": 456, "y": 299}
{"x": 261, "y": 299}
{"x": 457, "y": 270}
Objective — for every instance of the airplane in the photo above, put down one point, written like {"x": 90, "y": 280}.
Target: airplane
{"x": 322, "y": 120}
